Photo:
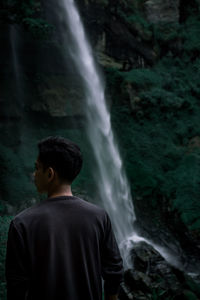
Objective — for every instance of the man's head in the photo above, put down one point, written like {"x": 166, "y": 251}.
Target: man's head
{"x": 58, "y": 157}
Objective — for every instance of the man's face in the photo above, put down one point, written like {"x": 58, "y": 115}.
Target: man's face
{"x": 40, "y": 177}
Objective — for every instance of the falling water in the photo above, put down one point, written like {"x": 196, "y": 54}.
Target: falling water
{"x": 112, "y": 183}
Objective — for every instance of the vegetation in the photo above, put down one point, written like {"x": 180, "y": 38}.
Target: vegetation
{"x": 159, "y": 109}
{"x": 15, "y": 183}
{"x": 28, "y": 13}
{"x": 4, "y": 225}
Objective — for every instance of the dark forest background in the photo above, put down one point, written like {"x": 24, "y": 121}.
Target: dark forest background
{"x": 149, "y": 53}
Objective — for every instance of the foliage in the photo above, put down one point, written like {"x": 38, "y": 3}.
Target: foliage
{"x": 28, "y": 13}
{"x": 38, "y": 27}
{"x": 142, "y": 78}
{"x": 190, "y": 35}
{"x": 164, "y": 32}
{"x": 15, "y": 184}
{"x": 4, "y": 225}
{"x": 158, "y": 130}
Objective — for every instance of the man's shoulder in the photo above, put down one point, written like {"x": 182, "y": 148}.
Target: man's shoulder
{"x": 89, "y": 204}
{"x": 91, "y": 207}
{"x": 26, "y": 213}
{"x": 37, "y": 210}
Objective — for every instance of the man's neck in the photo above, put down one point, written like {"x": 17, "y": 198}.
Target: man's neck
{"x": 62, "y": 190}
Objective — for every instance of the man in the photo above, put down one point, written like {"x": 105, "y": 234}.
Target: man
{"x": 61, "y": 248}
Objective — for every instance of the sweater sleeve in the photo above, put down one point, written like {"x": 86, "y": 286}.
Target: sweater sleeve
{"x": 16, "y": 265}
{"x": 112, "y": 265}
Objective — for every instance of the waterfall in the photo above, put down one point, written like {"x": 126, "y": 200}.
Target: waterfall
{"x": 112, "y": 183}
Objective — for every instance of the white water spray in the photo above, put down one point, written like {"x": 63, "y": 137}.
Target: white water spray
{"x": 112, "y": 183}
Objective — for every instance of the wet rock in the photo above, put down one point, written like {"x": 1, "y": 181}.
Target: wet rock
{"x": 162, "y": 11}
{"x": 123, "y": 46}
{"x": 134, "y": 100}
{"x": 57, "y": 99}
{"x": 102, "y": 57}
{"x": 153, "y": 278}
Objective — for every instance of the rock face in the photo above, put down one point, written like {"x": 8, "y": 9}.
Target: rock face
{"x": 158, "y": 11}
{"x": 153, "y": 278}
{"x": 123, "y": 45}
{"x": 57, "y": 99}
{"x": 122, "y": 33}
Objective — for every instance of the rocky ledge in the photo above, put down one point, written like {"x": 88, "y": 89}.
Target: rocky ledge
{"x": 153, "y": 278}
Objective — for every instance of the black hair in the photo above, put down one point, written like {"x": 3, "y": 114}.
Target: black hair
{"x": 61, "y": 154}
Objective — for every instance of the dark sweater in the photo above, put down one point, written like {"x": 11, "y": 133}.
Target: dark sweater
{"x": 60, "y": 249}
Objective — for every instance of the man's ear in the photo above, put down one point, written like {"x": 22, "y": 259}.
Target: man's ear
{"x": 51, "y": 173}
